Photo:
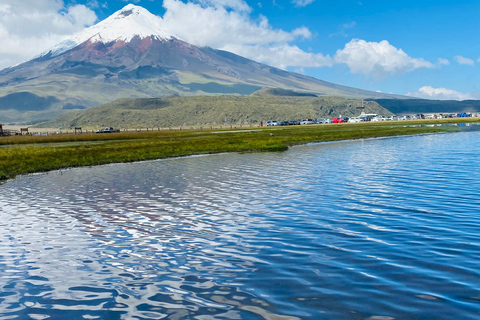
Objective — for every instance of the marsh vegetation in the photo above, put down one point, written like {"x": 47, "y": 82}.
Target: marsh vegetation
{"x": 29, "y": 154}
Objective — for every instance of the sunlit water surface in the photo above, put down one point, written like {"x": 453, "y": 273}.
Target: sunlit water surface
{"x": 372, "y": 229}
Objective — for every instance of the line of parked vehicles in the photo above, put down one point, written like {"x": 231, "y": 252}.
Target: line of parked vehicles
{"x": 370, "y": 117}
{"x": 325, "y": 120}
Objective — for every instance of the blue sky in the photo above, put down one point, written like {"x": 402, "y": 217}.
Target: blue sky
{"x": 424, "y": 48}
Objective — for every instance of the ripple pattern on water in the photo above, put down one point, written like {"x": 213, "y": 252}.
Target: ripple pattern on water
{"x": 370, "y": 229}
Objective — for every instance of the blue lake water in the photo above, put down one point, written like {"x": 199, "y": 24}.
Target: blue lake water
{"x": 371, "y": 229}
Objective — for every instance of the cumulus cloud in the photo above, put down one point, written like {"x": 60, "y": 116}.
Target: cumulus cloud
{"x": 283, "y": 56}
{"x": 211, "y": 23}
{"x": 377, "y": 59}
{"x": 465, "y": 61}
{"x": 302, "y": 32}
{"x": 443, "y": 62}
{"x": 302, "y": 3}
{"x": 216, "y": 26}
{"x": 25, "y": 33}
{"x": 428, "y": 92}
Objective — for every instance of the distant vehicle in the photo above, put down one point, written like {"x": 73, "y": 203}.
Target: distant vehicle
{"x": 293, "y": 123}
{"x": 355, "y": 119}
{"x": 284, "y": 123}
{"x": 271, "y": 123}
{"x": 322, "y": 121}
{"x": 368, "y": 116}
{"x": 378, "y": 118}
{"x": 107, "y": 130}
{"x": 307, "y": 121}
{"x": 337, "y": 120}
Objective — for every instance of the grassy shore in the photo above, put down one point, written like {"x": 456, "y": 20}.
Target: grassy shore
{"x": 29, "y": 154}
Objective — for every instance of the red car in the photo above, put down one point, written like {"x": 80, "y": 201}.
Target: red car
{"x": 337, "y": 120}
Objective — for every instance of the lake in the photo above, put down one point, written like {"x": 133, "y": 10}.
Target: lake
{"x": 370, "y": 229}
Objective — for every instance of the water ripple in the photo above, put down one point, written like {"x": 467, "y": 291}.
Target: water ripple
{"x": 370, "y": 229}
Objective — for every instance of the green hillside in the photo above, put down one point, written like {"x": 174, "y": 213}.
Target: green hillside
{"x": 211, "y": 110}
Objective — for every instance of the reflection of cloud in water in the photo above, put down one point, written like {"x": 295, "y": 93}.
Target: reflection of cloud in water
{"x": 320, "y": 231}
{"x": 163, "y": 234}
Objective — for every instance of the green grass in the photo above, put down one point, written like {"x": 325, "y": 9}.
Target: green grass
{"x": 29, "y": 154}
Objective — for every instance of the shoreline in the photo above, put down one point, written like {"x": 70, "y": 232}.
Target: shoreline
{"x": 20, "y": 155}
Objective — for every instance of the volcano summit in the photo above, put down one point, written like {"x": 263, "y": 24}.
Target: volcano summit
{"x": 131, "y": 55}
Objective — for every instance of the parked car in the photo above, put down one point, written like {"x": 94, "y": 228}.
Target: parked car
{"x": 321, "y": 121}
{"x": 355, "y": 119}
{"x": 293, "y": 122}
{"x": 378, "y": 118}
{"x": 271, "y": 123}
{"x": 307, "y": 121}
{"x": 283, "y": 123}
{"x": 337, "y": 120}
{"x": 107, "y": 130}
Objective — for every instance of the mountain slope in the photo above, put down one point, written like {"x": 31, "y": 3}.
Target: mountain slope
{"x": 130, "y": 55}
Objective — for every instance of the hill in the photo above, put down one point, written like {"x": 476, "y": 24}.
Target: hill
{"x": 217, "y": 110}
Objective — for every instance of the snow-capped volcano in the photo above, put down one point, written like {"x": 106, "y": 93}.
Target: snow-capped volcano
{"x": 125, "y": 24}
{"x": 131, "y": 55}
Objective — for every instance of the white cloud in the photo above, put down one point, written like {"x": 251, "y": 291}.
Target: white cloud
{"x": 302, "y": 32}
{"x": 377, "y": 59}
{"x": 302, "y": 3}
{"x": 212, "y": 24}
{"x": 283, "y": 56}
{"x": 463, "y": 60}
{"x": 25, "y": 33}
{"x": 443, "y": 62}
{"x": 428, "y": 92}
